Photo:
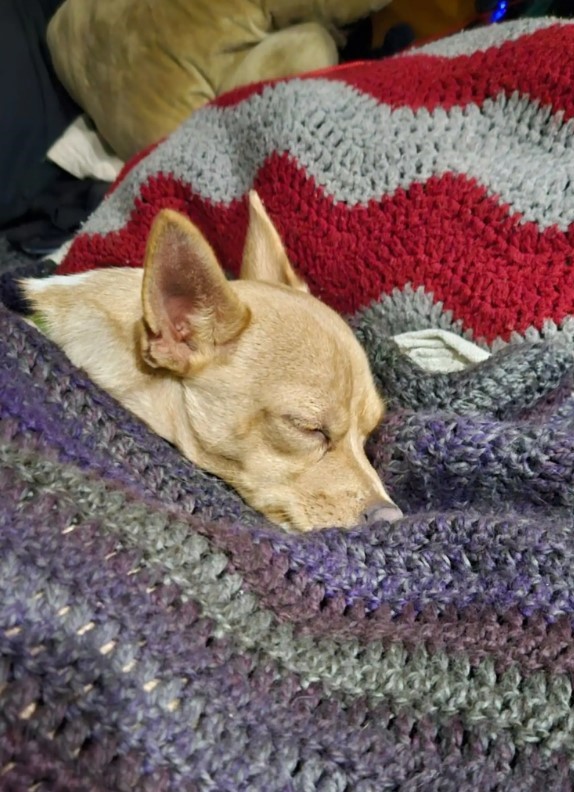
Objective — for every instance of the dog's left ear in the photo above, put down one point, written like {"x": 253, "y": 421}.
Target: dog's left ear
{"x": 189, "y": 309}
{"x": 264, "y": 257}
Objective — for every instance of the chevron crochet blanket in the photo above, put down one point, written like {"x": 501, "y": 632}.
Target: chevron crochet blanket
{"x": 155, "y": 632}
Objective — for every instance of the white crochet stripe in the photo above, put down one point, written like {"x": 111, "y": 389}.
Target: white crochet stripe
{"x": 359, "y": 150}
{"x": 481, "y": 39}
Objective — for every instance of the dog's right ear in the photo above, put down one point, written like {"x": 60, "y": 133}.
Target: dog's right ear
{"x": 264, "y": 257}
{"x": 189, "y": 309}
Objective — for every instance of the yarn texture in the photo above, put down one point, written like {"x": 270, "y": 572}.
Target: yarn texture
{"x": 158, "y": 634}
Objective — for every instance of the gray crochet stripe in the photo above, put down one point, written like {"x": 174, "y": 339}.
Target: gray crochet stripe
{"x": 408, "y": 309}
{"x": 507, "y": 702}
{"x": 359, "y": 150}
{"x": 481, "y": 39}
{"x": 549, "y": 330}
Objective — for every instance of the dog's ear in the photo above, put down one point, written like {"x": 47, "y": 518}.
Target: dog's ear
{"x": 264, "y": 257}
{"x": 189, "y": 308}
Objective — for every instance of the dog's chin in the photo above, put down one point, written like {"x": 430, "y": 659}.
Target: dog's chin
{"x": 302, "y": 528}
{"x": 292, "y": 517}
{"x": 288, "y": 521}
{"x": 296, "y": 524}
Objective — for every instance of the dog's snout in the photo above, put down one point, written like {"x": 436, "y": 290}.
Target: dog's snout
{"x": 382, "y": 510}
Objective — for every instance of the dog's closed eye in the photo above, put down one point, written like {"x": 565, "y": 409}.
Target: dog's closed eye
{"x": 309, "y": 427}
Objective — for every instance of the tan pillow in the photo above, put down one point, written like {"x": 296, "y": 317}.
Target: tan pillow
{"x": 140, "y": 67}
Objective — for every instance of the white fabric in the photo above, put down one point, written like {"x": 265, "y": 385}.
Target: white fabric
{"x": 440, "y": 350}
{"x": 82, "y": 152}
{"x": 58, "y": 255}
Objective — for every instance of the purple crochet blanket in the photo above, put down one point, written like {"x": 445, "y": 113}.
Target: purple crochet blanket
{"x": 157, "y": 634}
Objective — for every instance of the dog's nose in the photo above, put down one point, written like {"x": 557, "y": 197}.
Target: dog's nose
{"x": 382, "y": 510}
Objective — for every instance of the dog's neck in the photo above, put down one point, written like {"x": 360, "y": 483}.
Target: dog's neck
{"x": 158, "y": 400}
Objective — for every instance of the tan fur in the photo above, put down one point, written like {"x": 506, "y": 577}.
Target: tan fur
{"x": 254, "y": 380}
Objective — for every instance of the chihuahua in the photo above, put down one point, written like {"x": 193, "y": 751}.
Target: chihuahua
{"x": 253, "y": 380}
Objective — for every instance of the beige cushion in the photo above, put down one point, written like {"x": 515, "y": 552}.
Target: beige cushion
{"x": 140, "y": 67}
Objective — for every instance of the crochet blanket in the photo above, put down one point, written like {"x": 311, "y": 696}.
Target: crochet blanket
{"x": 158, "y": 634}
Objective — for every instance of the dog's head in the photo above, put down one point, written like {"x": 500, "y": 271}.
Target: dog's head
{"x": 279, "y": 398}
{"x": 254, "y": 380}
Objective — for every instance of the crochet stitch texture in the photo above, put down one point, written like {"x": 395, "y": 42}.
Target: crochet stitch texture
{"x": 158, "y": 634}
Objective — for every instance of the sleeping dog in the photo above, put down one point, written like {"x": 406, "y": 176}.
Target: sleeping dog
{"x": 254, "y": 380}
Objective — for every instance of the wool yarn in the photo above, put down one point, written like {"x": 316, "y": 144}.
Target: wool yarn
{"x": 158, "y": 634}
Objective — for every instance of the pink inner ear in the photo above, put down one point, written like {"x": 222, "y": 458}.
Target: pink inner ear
{"x": 178, "y": 309}
{"x": 175, "y": 287}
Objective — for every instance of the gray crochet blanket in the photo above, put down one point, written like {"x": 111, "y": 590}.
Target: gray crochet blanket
{"x": 158, "y": 634}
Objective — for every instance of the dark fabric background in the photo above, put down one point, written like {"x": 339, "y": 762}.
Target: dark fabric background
{"x": 35, "y": 108}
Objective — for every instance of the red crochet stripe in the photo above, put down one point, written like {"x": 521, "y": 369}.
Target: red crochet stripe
{"x": 492, "y": 271}
{"x": 433, "y": 81}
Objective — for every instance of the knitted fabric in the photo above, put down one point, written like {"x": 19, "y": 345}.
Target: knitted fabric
{"x": 158, "y": 634}
{"x": 451, "y": 173}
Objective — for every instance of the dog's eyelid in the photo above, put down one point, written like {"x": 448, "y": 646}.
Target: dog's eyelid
{"x": 308, "y": 425}
{"x": 325, "y": 432}
{"x": 324, "y": 435}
